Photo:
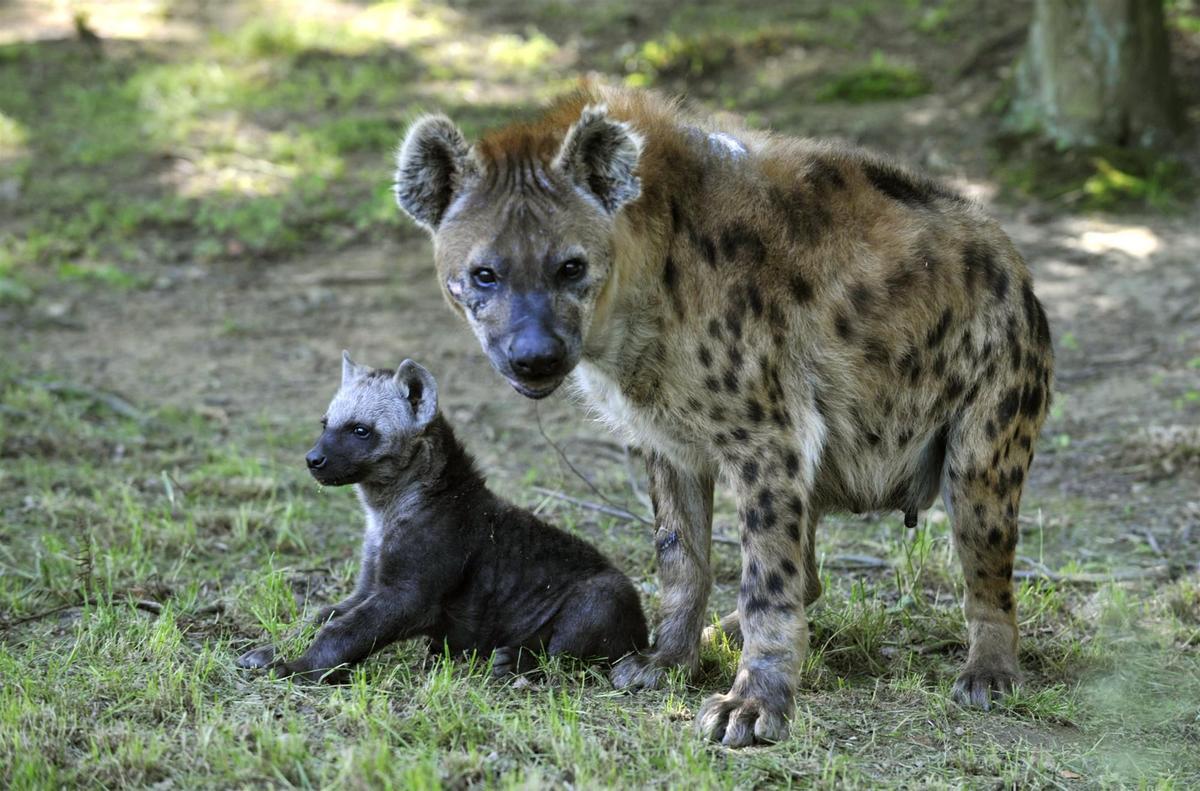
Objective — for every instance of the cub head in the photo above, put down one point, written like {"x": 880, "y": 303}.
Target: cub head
{"x": 522, "y": 225}
{"x": 370, "y": 430}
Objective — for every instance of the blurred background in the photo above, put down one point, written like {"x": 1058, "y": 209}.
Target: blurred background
{"x": 195, "y": 219}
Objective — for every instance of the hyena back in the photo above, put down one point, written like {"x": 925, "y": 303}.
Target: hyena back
{"x": 812, "y": 324}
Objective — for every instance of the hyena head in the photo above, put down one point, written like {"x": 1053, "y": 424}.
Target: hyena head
{"x": 371, "y": 429}
{"x": 522, "y": 225}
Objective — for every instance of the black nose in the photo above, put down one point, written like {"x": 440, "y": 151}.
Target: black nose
{"x": 315, "y": 460}
{"x": 537, "y": 355}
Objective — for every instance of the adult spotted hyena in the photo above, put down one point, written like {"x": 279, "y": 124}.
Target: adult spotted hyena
{"x": 822, "y": 329}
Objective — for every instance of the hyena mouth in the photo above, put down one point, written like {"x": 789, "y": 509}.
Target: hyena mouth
{"x": 536, "y": 389}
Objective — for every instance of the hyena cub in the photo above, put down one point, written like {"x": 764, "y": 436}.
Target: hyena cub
{"x": 443, "y": 557}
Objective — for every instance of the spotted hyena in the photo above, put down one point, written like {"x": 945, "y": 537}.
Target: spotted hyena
{"x": 810, "y": 323}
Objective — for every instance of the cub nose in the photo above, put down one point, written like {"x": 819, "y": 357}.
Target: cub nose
{"x": 315, "y": 460}
{"x": 537, "y": 355}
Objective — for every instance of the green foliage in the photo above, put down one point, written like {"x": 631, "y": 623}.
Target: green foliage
{"x": 1096, "y": 178}
{"x": 879, "y": 80}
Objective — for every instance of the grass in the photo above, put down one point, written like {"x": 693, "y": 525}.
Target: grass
{"x": 143, "y": 547}
{"x": 230, "y": 538}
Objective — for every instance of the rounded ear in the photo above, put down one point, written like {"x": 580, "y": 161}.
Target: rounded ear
{"x": 350, "y": 369}
{"x": 601, "y": 156}
{"x": 431, "y": 165}
{"x": 419, "y": 388}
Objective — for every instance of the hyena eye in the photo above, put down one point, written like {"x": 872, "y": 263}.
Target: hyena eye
{"x": 572, "y": 269}
{"x": 484, "y": 277}
{"x": 361, "y": 431}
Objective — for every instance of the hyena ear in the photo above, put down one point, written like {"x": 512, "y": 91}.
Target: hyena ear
{"x": 350, "y": 369}
{"x": 419, "y": 388}
{"x": 431, "y": 165}
{"x": 601, "y": 156}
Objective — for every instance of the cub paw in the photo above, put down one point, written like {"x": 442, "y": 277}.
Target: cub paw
{"x": 257, "y": 658}
{"x": 979, "y": 686}
{"x": 637, "y": 671}
{"x": 738, "y": 721}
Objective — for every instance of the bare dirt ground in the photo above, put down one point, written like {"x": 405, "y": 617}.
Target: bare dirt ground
{"x": 251, "y": 343}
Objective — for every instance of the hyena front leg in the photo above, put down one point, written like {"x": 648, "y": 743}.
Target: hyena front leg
{"x": 731, "y": 626}
{"x": 682, "y": 537}
{"x": 773, "y": 503}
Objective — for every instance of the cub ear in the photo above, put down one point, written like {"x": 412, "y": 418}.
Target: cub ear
{"x": 431, "y": 165}
{"x": 418, "y": 387}
{"x": 350, "y": 369}
{"x": 601, "y": 155}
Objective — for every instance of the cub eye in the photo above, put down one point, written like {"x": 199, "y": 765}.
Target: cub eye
{"x": 324, "y": 422}
{"x": 484, "y": 277}
{"x": 361, "y": 431}
{"x": 572, "y": 269}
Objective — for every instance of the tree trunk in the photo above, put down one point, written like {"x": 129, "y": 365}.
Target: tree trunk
{"x": 1097, "y": 72}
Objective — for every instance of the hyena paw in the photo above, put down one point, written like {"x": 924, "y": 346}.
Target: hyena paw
{"x": 257, "y": 658}
{"x": 980, "y": 685}
{"x": 640, "y": 671}
{"x": 740, "y": 721}
{"x": 729, "y": 629}
{"x": 504, "y": 662}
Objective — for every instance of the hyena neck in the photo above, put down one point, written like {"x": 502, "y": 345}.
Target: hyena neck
{"x": 439, "y": 471}
{"x": 626, "y": 320}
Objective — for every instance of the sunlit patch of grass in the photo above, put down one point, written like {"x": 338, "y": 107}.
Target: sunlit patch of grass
{"x": 878, "y": 80}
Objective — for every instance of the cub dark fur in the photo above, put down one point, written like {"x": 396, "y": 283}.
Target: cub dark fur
{"x": 443, "y": 557}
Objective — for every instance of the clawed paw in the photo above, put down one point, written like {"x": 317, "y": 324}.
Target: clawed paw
{"x": 257, "y": 658}
{"x": 637, "y": 671}
{"x": 737, "y": 721}
{"x": 980, "y": 686}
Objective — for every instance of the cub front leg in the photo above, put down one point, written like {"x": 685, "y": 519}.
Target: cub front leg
{"x": 381, "y": 618}
{"x": 264, "y": 656}
{"x": 774, "y": 509}
{"x": 683, "y": 502}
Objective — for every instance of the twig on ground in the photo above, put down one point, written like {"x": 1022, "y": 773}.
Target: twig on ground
{"x": 611, "y": 510}
{"x": 1040, "y": 571}
{"x": 856, "y": 562}
{"x": 541, "y": 430}
{"x": 111, "y": 400}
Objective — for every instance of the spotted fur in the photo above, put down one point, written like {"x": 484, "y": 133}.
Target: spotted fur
{"x": 817, "y": 327}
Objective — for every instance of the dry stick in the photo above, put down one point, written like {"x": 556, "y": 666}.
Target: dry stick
{"x": 538, "y": 416}
{"x": 620, "y": 513}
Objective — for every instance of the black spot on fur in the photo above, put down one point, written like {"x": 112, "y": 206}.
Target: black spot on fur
{"x": 740, "y": 434}
{"x": 717, "y": 414}
{"x": 731, "y": 380}
{"x": 875, "y": 352}
{"x": 754, "y": 411}
{"x": 938, "y": 333}
{"x": 774, "y": 583}
{"x": 739, "y": 242}
{"x": 735, "y": 358}
{"x": 754, "y": 300}
{"x": 750, "y": 471}
{"x": 788, "y": 568}
{"x": 905, "y": 187}
{"x": 862, "y": 297}
{"x": 841, "y": 323}
{"x": 1008, "y": 407}
{"x": 804, "y": 218}
{"x": 801, "y": 289}
{"x": 753, "y": 520}
{"x": 705, "y": 356}
{"x": 794, "y": 531}
{"x": 994, "y": 537}
{"x": 823, "y": 175}
{"x": 714, "y": 329}
{"x": 712, "y": 384}
{"x": 671, "y": 282}
{"x": 791, "y": 463}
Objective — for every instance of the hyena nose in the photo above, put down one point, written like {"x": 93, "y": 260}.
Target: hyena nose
{"x": 537, "y": 355}
{"x": 315, "y": 460}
